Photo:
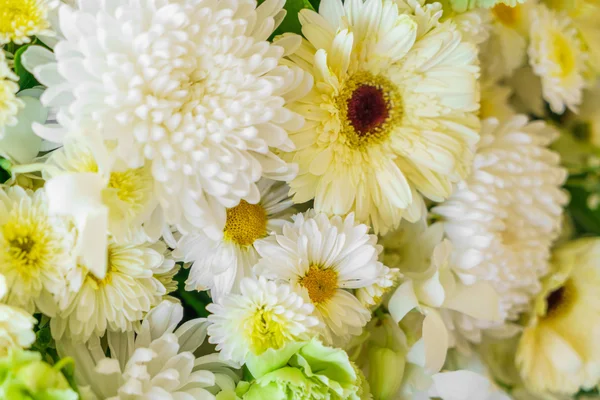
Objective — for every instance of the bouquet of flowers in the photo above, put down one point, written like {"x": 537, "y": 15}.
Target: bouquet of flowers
{"x": 299, "y": 199}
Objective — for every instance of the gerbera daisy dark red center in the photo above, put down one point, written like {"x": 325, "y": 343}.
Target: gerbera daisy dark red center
{"x": 367, "y": 108}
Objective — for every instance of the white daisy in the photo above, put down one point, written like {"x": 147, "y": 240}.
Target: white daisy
{"x": 9, "y": 103}
{"x": 16, "y": 325}
{"x": 157, "y": 363}
{"x": 322, "y": 258}
{"x": 35, "y": 250}
{"x": 193, "y": 89}
{"x": 392, "y": 115}
{"x": 21, "y": 19}
{"x": 264, "y": 316}
{"x": 220, "y": 264}
{"x": 557, "y": 56}
{"x": 116, "y": 302}
{"x": 503, "y": 219}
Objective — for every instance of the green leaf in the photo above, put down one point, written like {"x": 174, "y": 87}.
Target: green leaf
{"x": 586, "y": 220}
{"x": 291, "y": 23}
{"x": 26, "y": 79}
{"x": 194, "y": 302}
{"x": 4, "y": 170}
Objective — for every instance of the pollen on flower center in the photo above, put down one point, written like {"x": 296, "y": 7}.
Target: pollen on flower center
{"x": 21, "y": 18}
{"x": 507, "y": 15}
{"x": 562, "y": 54}
{"x": 245, "y": 223}
{"x": 560, "y": 300}
{"x": 26, "y": 246}
{"x": 132, "y": 186}
{"x": 265, "y": 331}
{"x": 369, "y": 106}
{"x": 321, "y": 283}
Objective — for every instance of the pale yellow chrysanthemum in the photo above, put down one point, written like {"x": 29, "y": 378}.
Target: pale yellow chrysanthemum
{"x": 16, "y": 326}
{"x": 35, "y": 250}
{"x": 21, "y": 19}
{"x": 559, "y": 351}
{"x": 495, "y": 101}
{"x": 9, "y": 103}
{"x": 129, "y": 193}
{"x": 392, "y": 115}
{"x": 557, "y": 56}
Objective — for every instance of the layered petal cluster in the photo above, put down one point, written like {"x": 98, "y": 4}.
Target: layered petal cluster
{"x": 16, "y": 326}
{"x": 504, "y": 218}
{"x": 193, "y": 91}
{"x": 392, "y": 115}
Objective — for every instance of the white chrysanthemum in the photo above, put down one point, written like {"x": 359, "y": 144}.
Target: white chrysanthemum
{"x": 392, "y": 115}
{"x": 557, "y": 56}
{"x": 21, "y": 19}
{"x": 323, "y": 258}
{"x": 192, "y": 88}
{"x": 159, "y": 363}
{"x": 220, "y": 264}
{"x": 117, "y": 302}
{"x": 16, "y": 325}
{"x": 9, "y": 103}
{"x": 128, "y": 195}
{"x": 266, "y": 315}
{"x": 35, "y": 250}
{"x": 503, "y": 219}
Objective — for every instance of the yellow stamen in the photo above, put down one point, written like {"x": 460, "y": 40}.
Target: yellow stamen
{"x": 245, "y": 223}
{"x": 321, "y": 283}
{"x": 507, "y": 15}
{"x": 20, "y": 19}
{"x": 265, "y": 331}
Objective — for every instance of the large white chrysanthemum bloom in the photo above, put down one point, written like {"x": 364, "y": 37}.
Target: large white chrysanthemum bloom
{"x": 9, "y": 103}
{"x": 266, "y": 315}
{"x": 35, "y": 250}
{"x": 21, "y": 19}
{"x": 16, "y": 325}
{"x": 323, "y": 258}
{"x": 504, "y": 218}
{"x": 157, "y": 363}
{"x": 557, "y": 56}
{"x": 117, "y": 302}
{"x": 219, "y": 265}
{"x": 392, "y": 114}
{"x": 128, "y": 195}
{"x": 193, "y": 89}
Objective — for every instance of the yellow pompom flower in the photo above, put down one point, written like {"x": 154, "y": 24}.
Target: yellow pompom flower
{"x": 559, "y": 351}
{"x": 21, "y": 19}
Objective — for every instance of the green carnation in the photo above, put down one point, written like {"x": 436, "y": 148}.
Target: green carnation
{"x": 308, "y": 371}
{"x": 24, "y": 376}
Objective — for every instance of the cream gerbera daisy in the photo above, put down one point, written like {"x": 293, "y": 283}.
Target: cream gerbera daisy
{"x": 219, "y": 265}
{"x": 323, "y": 258}
{"x": 116, "y": 302}
{"x": 21, "y": 19}
{"x": 157, "y": 363}
{"x": 559, "y": 351}
{"x": 128, "y": 195}
{"x": 172, "y": 92}
{"x": 16, "y": 326}
{"x": 9, "y": 103}
{"x": 504, "y": 218}
{"x": 392, "y": 115}
{"x": 35, "y": 250}
{"x": 264, "y": 316}
{"x": 557, "y": 56}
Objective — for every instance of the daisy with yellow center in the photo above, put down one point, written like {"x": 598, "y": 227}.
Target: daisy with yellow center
{"x": 325, "y": 260}
{"x": 559, "y": 351}
{"x": 557, "y": 56}
{"x": 9, "y": 103}
{"x": 382, "y": 130}
{"x": 35, "y": 250}
{"x": 128, "y": 194}
{"x": 21, "y": 19}
{"x": 264, "y": 316}
{"x": 119, "y": 300}
{"x": 219, "y": 265}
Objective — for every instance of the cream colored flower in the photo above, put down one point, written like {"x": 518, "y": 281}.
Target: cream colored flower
{"x": 16, "y": 325}
{"x": 21, "y": 19}
{"x": 382, "y": 129}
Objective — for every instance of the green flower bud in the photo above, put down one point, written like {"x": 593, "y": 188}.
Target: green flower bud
{"x": 382, "y": 363}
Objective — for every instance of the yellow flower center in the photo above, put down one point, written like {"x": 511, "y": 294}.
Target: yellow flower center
{"x": 96, "y": 283}
{"x": 508, "y": 16}
{"x": 21, "y": 18}
{"x": 560, "y": 300}
{"x": 245, "y": 223}
{"x": 132, "y": 186}
{"x": 28, "y": 243}
{"x": 562, "y": 54}
{"x": 321, "y": 283}
{"x": 265, "y": 331}
{"x": 369, "y": 106}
